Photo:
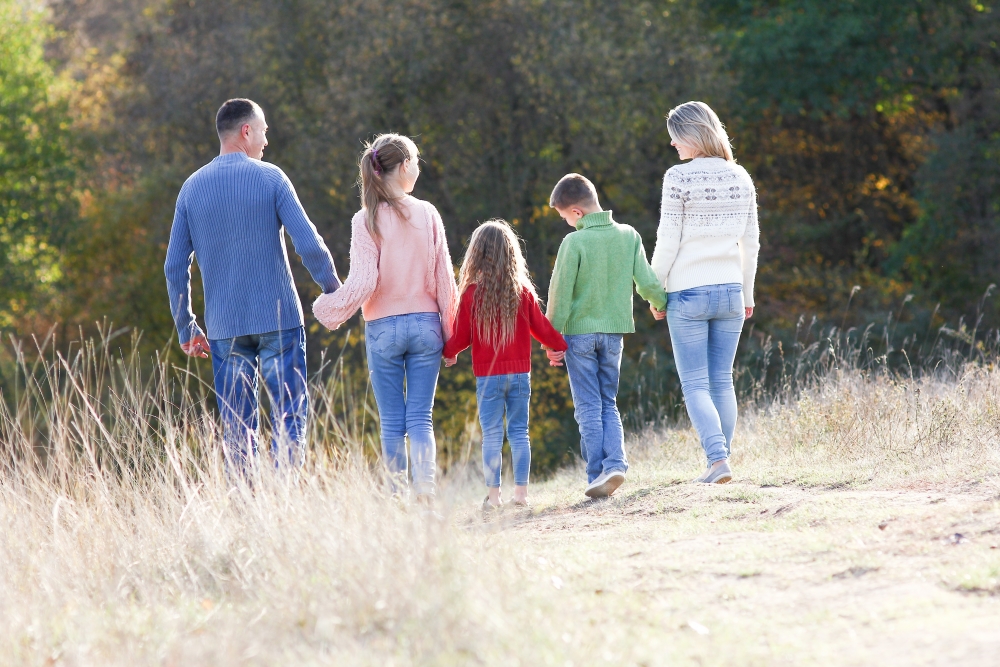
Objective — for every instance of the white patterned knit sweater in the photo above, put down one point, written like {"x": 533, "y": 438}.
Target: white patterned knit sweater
{"x": 708, "y": 232}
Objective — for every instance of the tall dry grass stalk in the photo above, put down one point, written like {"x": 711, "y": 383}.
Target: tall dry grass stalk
{"x": 122, "y": 542}
{"x": 851, "y": 427}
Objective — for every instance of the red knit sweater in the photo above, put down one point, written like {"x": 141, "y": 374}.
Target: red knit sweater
{"x": 515, "y": 357}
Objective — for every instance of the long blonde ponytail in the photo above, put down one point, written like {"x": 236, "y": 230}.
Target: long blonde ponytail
{"x": 380, "y": 156}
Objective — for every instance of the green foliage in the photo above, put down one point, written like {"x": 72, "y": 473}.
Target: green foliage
{"x": 503, "y": 99}
{"x": 871, "y": 128}
{"x": 820, "y": 57}
{"x": 37, "y": 206}
{"x": 951, "y": 247}
{"x": 887, "y": 113}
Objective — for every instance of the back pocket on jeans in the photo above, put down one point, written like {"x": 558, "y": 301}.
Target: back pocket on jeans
{"x": 693, "y": 304}
{"x": 380, "y": 334}
{"x": 487, "y": 388}
{"x": 735, "y": 300}
{"x": 582, "y": 344}
{"x": 431, "y": 338}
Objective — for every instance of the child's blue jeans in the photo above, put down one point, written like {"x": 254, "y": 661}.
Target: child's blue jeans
{"x": 705, "y": 325}
{"x": 594, "y": 364}
{"x": 281, "y": 356}
{"x": 404, "y": 358}
{"x": 498, "y": 395}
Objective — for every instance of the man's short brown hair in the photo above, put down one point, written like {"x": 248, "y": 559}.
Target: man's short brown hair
{"x": 235, "y": 113}
{"x": 573, "y": 190}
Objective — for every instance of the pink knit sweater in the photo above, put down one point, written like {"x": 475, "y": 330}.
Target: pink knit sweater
{"x": 408, "y": 270}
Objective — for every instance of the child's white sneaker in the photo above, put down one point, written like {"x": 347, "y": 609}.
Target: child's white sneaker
{"x": 605, "y": 484}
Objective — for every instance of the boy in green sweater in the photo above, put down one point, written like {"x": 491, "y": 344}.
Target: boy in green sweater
{"x": 590, "y": 303}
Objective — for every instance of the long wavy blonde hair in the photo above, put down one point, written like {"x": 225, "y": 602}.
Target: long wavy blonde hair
{"x": 495, "y": 265}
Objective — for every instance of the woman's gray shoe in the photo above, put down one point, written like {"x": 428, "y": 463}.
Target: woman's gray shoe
{"x": 718, "y": 475}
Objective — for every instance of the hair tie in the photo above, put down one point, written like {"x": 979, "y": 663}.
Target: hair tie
{"x": 375, "y": 164}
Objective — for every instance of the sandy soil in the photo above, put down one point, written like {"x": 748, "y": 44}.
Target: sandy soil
{"x": 668, "y": 572}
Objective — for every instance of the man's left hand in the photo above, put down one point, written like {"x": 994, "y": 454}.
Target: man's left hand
{"x": 197, "y": 347}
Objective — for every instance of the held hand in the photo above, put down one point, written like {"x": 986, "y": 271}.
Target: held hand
{"x": 450, "y": 361}
{"x": 555, "y": 358}
{"x": 657, "y": 314}
{"x": 197, "y": 347}
{"x": 749, "y": 312}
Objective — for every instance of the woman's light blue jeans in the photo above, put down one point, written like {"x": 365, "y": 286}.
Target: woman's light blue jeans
{"x": 496, "y": 396}
{"x": 705, "y": 325}
{"x": 404, "y": 357}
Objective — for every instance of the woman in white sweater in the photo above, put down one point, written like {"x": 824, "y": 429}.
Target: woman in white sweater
{"x": 706, "y": 259}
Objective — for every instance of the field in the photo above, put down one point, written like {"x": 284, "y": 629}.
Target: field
{"x": 863, "y": 527}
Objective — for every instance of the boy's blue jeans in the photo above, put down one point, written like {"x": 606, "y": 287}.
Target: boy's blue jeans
{"x": 705, "y": 325}
{"x": 280, "y": 358}
{"x": 404, "y": 358}
{"x": 594, "y": 363}
{"x": 497, "y": 395}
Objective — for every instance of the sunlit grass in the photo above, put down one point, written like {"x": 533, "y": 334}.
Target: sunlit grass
{"x": 123, "y": 541}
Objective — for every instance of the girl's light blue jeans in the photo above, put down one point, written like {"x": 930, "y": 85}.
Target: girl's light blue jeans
{"x": 705, "y": 325}
{"x": 510, "y": 395}
{"x": 404, "y": 357}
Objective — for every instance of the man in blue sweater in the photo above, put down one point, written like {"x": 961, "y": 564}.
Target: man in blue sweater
{"x": 232, "y": 215}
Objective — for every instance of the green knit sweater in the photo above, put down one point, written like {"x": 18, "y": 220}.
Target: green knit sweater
{"x": 591, "y": 287}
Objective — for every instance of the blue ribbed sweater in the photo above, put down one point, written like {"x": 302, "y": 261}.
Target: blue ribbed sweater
{"x": 229, "y": 216}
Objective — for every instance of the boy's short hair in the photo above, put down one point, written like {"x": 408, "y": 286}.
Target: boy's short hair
{"x": 573, "y": 190}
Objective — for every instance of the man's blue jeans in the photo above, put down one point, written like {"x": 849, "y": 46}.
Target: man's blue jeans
{"x": 705, "y": 325}
{"x": 594, "y": 364}
{"x": 404, "y": 358}
{"x": 496, "y": 396}
{"x": 280, "y": 358}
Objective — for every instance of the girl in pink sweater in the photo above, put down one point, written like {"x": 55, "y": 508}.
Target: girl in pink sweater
{"x": 403, "y": 280}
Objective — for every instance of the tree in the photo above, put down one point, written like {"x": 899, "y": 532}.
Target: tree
{"x": 502, "y": 97}
{"x": 37, "y": 167}
{"x": 873, "y": 130}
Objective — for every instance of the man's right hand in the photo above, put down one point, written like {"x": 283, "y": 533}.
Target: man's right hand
{"x": 197, "y": 347}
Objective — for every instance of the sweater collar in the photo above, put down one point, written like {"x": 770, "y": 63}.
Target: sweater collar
{"x": 238, "y": 156}
{"x": 601, "y": 219}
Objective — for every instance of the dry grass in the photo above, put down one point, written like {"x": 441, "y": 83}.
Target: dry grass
{"x": 837, "y": 544}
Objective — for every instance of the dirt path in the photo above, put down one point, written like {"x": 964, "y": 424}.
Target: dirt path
{"x": 675, "y": 573}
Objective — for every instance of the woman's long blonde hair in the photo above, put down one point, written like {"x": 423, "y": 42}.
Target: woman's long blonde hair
{"x": 385, "y": 153}
{"x": 694, "y": 124}
{"x": 495, "y": 265}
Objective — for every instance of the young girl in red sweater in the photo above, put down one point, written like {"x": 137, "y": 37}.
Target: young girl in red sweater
{"x": 498, "y": 315}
